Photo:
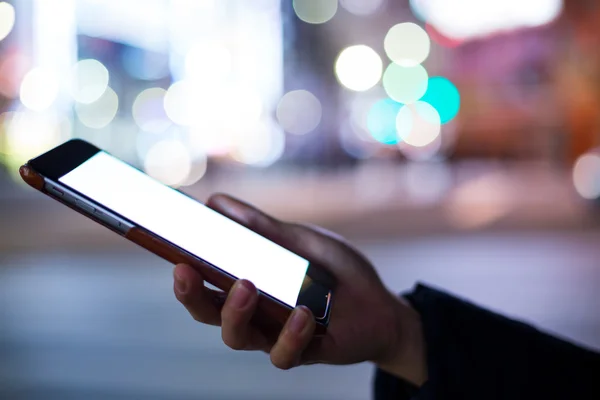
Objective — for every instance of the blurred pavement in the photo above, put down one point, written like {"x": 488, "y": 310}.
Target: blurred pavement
{"x": 85, "y": 314}
{"x": 106, "y": 325}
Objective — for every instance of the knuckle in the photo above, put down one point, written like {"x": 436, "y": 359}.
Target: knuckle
{"x": 231, "y": 315}
{"x": 236, "y": 317}
{"x": 234, "y": 342}
{"x": 183, "y": 299}
{"x": 197, "y": 315}
{"x": 265, "y": 223}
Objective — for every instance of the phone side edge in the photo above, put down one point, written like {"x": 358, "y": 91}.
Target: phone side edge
{"x": 272, "y": 315}
{"x": 31, "y": 177}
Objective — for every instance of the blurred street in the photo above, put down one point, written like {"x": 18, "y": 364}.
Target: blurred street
{"x": 95, "y": 316}
{"x": 104, "y": 324}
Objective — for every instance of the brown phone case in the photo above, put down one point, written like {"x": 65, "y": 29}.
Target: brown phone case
{"x": 271, "y": 315}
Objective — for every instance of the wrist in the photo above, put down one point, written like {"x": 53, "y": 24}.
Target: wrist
{"x": 406, "y": 355}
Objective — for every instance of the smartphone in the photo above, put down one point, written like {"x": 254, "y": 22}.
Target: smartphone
{"x": 180, "y": 229}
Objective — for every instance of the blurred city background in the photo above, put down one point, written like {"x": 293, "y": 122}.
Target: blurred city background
{"x": 455, "y": 142}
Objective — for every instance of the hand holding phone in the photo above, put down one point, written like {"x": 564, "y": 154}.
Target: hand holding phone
{"x": 368, "y": 322}
{"x": 287, "y": 279}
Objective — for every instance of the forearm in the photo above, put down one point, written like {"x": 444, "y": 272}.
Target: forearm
{"x": 469, "y": 352}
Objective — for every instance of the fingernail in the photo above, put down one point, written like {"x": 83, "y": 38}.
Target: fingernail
{"x": 298, "y": 321}
{"x": 180, "y": 284}
{"x": 241, "y": 295}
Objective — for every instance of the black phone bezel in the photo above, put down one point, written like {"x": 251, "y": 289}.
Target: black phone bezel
{"x": 63, "y": 159}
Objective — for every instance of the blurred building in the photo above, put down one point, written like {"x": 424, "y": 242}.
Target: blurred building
{"x": 454, "y": 141}
{"x": 184, "y": 84}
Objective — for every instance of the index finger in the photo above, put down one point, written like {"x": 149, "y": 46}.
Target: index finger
{"x": 203, "y": 304}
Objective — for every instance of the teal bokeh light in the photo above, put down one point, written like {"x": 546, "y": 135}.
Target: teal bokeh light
{"x": 381, "y": 121}
{"x": 444, "y": 97}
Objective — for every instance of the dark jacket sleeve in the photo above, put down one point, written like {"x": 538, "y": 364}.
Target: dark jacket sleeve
{"x": 473, "y": 353}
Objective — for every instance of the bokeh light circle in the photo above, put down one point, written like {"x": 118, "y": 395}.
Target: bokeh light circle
{"x": 148, "y": 111}
{"x": 354, "y": 143}
{"x": 215, "y": 129}
{"x": 359, "y": 68}
{"x": 100, "y": 113}
{"x": 13, "y": 67}
{"x": 197, "y": 170}
{"x": 7, "y": 19}
{"x": 169, "y": 162}
{"x": 362, "y": 7}
{"x": 418, "y": 124}
{"x": 381, "y": 121}
{"x": 144, "y": 141}
{"x": 299, "y": 112}
{"x": 444, "y": 97}
{"x": 179, "y": 103}
{"x": 405, "y": 84}
{"x": 359, "y": 110}
{"x": 586, "y": 176}
{"x": 428, "y": 152}
{"x": 407, "y": 44}
{"x": 540, "y": 12}
{"x": 210, "y": 62}
{"x": 441, "y": 39}
{"x": 211, "y": 139}
{"x": 419, "y": 9}
{"x": 90, "y": 80}
{"x": 28, "y": 134}
{"x": 315, "y": 11}
{"x": 249, "y": 110}
{"x": 39, "y": 89}
{"x": 261, "y": 145}
{"x": 464, "y": 19}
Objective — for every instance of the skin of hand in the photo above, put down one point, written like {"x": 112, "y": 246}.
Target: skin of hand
{"x": 368, "y": 322}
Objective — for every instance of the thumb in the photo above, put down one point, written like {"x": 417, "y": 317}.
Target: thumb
{"x": 314, "y": 245}
{"x": 245, "y": 214}
{"x": 257, "y": 221}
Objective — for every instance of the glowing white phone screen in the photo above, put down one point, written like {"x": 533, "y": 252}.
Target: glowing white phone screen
{"x": 190, "y": 225}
